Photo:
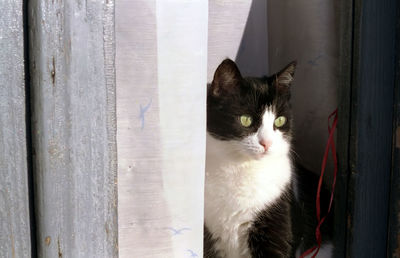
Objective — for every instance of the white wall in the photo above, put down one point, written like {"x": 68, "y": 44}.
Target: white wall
{"x": 238, "y": 29}
{"x": 308, "y": 32}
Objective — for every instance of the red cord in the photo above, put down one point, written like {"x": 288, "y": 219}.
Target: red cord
{"x": 330, "y": 145}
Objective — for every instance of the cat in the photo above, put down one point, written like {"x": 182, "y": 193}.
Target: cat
{"x": 249, "y": 185}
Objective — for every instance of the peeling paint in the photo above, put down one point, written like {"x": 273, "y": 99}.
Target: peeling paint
{"x": 47, "y": 241}
{"x": 53, "y": 71}
{"x": 59, "y": 248}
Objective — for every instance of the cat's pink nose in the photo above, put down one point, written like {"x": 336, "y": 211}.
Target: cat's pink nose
{"x": 266, "y": 144}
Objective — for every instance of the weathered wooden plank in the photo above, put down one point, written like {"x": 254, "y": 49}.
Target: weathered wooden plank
{"x": 343, "y": 128}
{"x": 15, "y": 239}
{"x": 373, "y": 80}
{"x": 394, "y": 215}
{"x": 73, "y": 104}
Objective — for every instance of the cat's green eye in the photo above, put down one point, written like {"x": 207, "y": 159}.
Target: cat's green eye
{"x": 280, "y": 121}
{"x": 246, "y": 120}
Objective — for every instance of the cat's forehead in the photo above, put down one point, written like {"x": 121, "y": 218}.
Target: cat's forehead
{"x": 257, "y": 92}
{"x": 257, "y": 84}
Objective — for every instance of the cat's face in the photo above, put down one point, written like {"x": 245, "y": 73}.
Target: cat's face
{"x": 253, "y": 114}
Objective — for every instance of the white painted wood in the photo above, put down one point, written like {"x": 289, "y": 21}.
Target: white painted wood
{"x": 161, "y": 93}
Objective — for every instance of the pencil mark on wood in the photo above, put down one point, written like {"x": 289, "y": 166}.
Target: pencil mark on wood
{"x": 143, "y": 110}
{"x": 192, "y": 254}
{"x": 177, "y": 231}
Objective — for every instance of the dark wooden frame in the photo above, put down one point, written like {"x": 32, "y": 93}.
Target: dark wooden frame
{"x": 367, "y": 193}
{"x": 394, "y": 213}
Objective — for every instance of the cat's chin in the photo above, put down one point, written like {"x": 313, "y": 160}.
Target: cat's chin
{"x": 258, "y": 155}
{"x": 264, "y": 155}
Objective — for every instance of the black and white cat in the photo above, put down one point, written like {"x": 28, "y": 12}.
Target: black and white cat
{"x": 249, "y": 170}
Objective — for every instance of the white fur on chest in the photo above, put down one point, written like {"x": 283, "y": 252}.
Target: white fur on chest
{"x": 236, "y": 189}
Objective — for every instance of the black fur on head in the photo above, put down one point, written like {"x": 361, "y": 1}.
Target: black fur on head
{"x": 230, "y": 95}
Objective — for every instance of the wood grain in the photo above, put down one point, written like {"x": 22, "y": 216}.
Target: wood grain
{"x": 371, "y": 127}
{"x": 73, "y": 127}
{"x": 394, "y": 213}
{"x": 15, "y": 237}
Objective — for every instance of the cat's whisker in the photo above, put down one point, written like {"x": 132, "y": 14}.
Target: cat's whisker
{"x": 295, "y": 153}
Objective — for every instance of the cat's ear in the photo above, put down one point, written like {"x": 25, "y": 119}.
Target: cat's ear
{"x": 284, "y": 78}
{"x": 226, "y": 78}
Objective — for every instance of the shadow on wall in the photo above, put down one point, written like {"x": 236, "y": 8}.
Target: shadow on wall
{"x": 252, "y": 55}
{"x": 278, "y": 32}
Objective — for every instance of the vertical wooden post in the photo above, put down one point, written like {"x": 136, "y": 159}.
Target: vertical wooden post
{"x": 15, "y": 239}
{"x": 368, "y": 110}
{"x": 73, "y": 127}
{"x": 394, "y": 214}
{"x": 343, "y": 128}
